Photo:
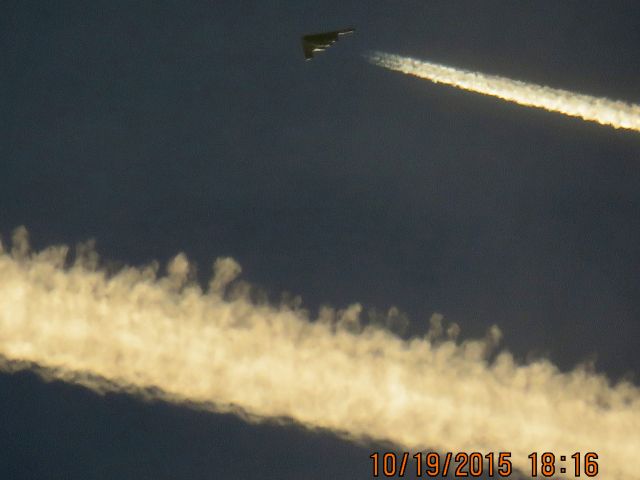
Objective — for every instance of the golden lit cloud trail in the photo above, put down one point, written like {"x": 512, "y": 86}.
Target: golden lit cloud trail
{"x": 163, "y": 337}
{"x": 601, "y": 110}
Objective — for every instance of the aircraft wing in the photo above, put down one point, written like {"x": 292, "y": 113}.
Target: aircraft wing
{"x": 318, "y": 42}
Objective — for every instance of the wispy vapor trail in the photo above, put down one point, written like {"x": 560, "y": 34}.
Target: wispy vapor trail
{"x": 601, "y": 110}
{"x": 138, "y": 331}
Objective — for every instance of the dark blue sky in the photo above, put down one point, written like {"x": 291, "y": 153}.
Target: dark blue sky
{"x": 158, "y": 127}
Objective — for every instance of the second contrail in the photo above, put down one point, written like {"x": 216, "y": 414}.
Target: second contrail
{"x": 165, "y": 337}
{"x": 595, "y": 109}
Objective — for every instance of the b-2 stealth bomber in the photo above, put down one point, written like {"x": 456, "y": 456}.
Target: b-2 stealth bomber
{"x": 319, "y": 42}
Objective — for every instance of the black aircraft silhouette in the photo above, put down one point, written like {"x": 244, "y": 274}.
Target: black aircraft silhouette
{"x": 319, "y": 42}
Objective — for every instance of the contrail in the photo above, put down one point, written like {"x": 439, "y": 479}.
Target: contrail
{"x": 601, "y": 110}
{"x": 164, "y": 337}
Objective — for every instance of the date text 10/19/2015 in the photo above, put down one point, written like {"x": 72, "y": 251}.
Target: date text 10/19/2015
{"x": 432, "y": 464}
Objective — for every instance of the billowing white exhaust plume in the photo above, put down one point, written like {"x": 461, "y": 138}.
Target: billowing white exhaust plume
{"x": 601, "y": 110}
{"x": 163, "y": 337}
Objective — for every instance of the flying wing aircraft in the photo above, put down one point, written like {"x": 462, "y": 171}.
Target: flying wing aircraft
{"x": 318, "y": 42}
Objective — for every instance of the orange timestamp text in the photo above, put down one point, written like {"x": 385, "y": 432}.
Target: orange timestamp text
{"x": 475, "y": 464}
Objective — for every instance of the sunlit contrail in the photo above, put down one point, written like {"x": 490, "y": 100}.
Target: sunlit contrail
{"x": 163, "y": 337}
{"x": 601, "y": 110}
